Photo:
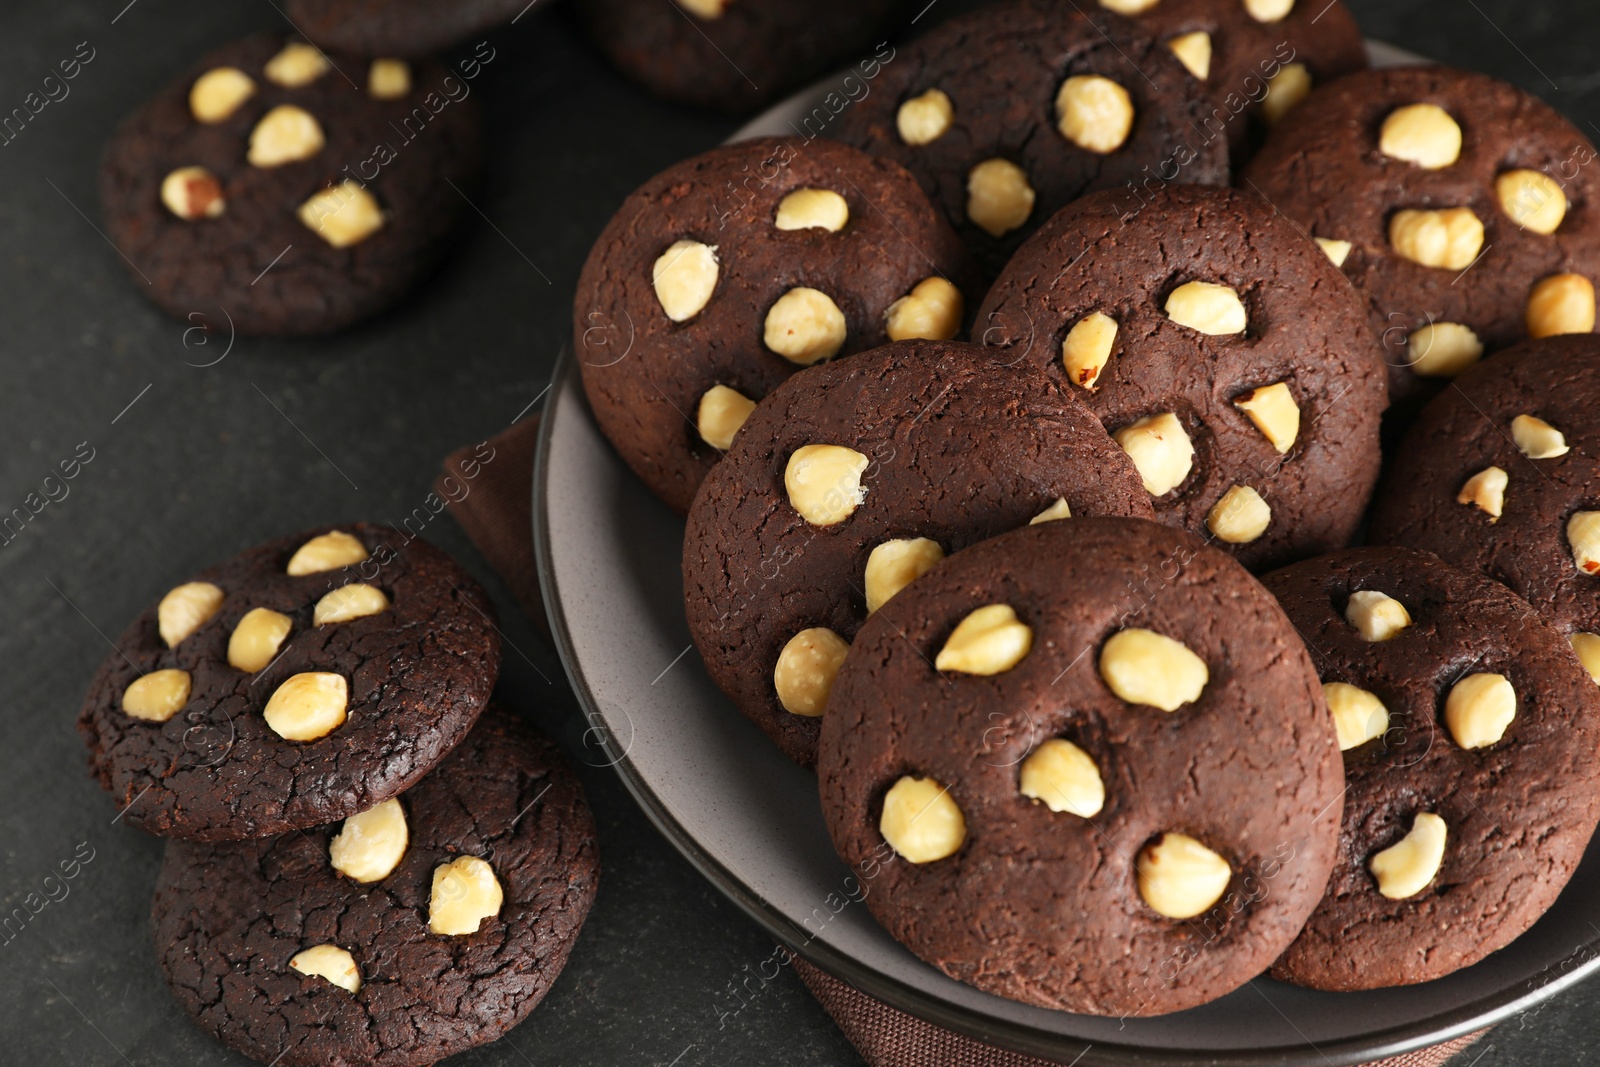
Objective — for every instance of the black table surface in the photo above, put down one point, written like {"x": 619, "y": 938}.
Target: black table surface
{"x": 197, "y": 455}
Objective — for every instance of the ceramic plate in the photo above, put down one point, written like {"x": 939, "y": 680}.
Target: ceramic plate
{"x": 748, "y": 818}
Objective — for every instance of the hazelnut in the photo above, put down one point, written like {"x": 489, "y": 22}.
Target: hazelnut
{"x": 329, "y": 962}
{"x": 1358, "y": 716}
{"x": 1487, "y": 491}
{"x": 1587, "y": 648}
{"x": 286, "y": 134}
{"x": 1538, "y": 439}
{"x": 1194, "y": 52}
{"x": 1209, "y": 308}
{"x": 1241, "y": 516}
{"x": 824, "y": 482}
{"x": 185, "y": 609}
{"x": 924, "y": 119}
{"x": 354, "y": 601}
{"x": 1058, "y": 510}
{"x": 806, "y": 669}
{"x": 1449, "y": 239}
{"x": 1405, "y": 869}
{"x": 1064, "y": 776}
{"x": 1087, "y": 348}
{"x": 308, "y": 706}
{"x": 1286, "y": 90}
{"x": 388, "y": 79}
{"x": 999, "y": 197}
{"x": 1443, "y": 349}
{"x": 805, "y": 326}
{"x": 256, "y": 639}
{"x": 1181, "y": 878}
{"x": 812, "y": 209}
{"x": 371, "y": 845}
{"x": 1560, "y": 304}
{"x": 684, "y": 276}
{"x": 465, "y": 892}
{"x": 706, "y": 9}
{"x": 343, "y": 215}
{"x": 894, "y": 565}
{"x": 1269, "y": 10}
{"x": 1376, "y": 616}
{"x": 1274, "y": 411}
{"x": 157, "y": 696}
{"x": 721, "y": 413}
{"x": 1144, "y": 667}
{"x": 218, "y": 92}
{"x": 1583, "y": 534}
{"x": 1094, "y": 112}
{"x": 1423, "y": 134}
{"x": 990, "y": 640}
{"x": 933, "y": 310}
{"x": 1160, "y": 449}
{"x": 326, "y": 552}
{"x": 920, "y": 820}
{"x": 1129, "y": 7}
{"x": 1532, "y": 200}
{"x": 297, "y": 65}
{"x": 193, "y": 193}
{"x": 1479, "y": 708}
{"x": 1336, "y": 251}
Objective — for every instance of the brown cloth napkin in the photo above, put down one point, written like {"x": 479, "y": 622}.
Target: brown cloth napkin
{"x": 888, "y": 1037}
{"x": 489, "y": 488}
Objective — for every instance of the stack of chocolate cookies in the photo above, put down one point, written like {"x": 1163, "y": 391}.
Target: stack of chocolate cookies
{"x": 370, "y": 862}
{"x": 1068, "y": 616}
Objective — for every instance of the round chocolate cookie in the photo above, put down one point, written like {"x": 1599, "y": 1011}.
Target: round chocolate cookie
{"x": 1257, "y": 58}
{"x": 1085, "y": 765}
{"x": 1499, "y": 476}
{"x": 429, "y": 925}
{"x": 735, "y": 55}
{"x": 1463, "y": 207}
{"x": 1220, "y": 347}
{"x": 1011, "y": 111}
{"x": 919, "y": 449}
{"x": 1469, "y": 734}
{"x": 727, "y": 273}
{"x": 398, "y": 27}
{"x": 298, "y": 683}
{"x": 276, "y": 189}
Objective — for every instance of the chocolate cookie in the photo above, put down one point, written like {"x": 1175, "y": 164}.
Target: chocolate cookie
{"x": 1500, "y": 477}
{"x": 429, "y": 925}
{"x": 1223, "y": 351}
{"x": 852, "y": 480}
{"x": 1462, "y": 206}
{"x": 1085, "y": 765}
{"x": 1009, "y": 112}
{"x": 276, "y": 189}
{"x": 398, "y": 27}
{"x": 1469, "y": 734}
{"x": 298, "y": 683}
{"x": 735, "y": 55}
{"x": 1258, "y": 58}
{"x": 725, "y": 274}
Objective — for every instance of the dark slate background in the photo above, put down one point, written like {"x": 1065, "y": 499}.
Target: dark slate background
{"x": 279, "y": 436}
